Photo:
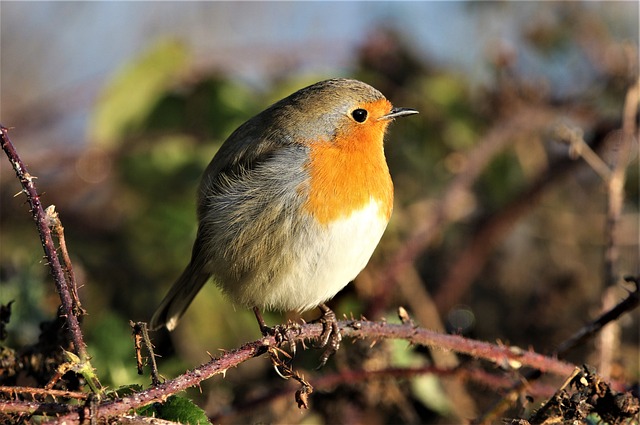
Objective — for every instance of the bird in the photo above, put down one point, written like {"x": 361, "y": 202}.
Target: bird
{"x": 293, "y": 204}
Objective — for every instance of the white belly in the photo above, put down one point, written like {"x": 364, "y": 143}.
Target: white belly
{"x": 323, "y": 267}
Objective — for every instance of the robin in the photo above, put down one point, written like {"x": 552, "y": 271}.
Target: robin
{"x": 293, "y": 204}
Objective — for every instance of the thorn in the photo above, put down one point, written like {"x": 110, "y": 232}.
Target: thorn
{"x": 275, "y": 367}
{"x": 404, "y": 317}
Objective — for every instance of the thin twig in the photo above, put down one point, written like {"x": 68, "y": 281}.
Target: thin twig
{"x": 141, "y": 337}
{"x": 615, "y": 184}
{"x": 137, "y": 345}
{"x": 590, "y": 329}
{"x": 40, "y": 217}
{"x": 609, "y": 338}
{"x": 578, "y": 148}
{"x": 56, "y": 227}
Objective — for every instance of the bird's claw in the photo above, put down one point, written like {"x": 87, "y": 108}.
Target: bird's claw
{"x": 330, "y": 337}
{"x": 281, "y": 333}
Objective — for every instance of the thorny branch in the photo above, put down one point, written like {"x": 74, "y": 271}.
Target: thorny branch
{"x": 41, "y": 392}
{"x": 42, "y": 223}
{"x": 500, "y": 355}
{"x": 481, "y": 377}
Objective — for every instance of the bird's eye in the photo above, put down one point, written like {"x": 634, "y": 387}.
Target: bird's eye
{"x": 360, "y": 115}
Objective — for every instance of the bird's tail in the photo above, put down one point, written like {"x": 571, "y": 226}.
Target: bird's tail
{"x": 179, "y": 298}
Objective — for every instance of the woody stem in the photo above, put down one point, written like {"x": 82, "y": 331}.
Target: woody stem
{"x": 40, "y": 217}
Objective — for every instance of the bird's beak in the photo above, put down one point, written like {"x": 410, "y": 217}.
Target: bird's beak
{"x": 398, "y": 112}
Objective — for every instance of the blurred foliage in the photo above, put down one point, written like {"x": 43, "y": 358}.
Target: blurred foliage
{"x": 160, "y": 122}
{"x": 127, "y": 100}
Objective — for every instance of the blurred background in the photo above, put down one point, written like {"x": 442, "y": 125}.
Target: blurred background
{"x": 497, "y": 233}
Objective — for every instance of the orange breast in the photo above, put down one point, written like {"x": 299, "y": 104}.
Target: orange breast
{"x": 347, "y": 173}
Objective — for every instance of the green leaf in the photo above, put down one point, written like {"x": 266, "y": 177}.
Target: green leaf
{"x": 132, "y": 94}
{"x": 177, "y": 409}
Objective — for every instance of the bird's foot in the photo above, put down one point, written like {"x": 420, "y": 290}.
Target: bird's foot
{"x": 330, "y": 337}
{"x": 282, "y": 333}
